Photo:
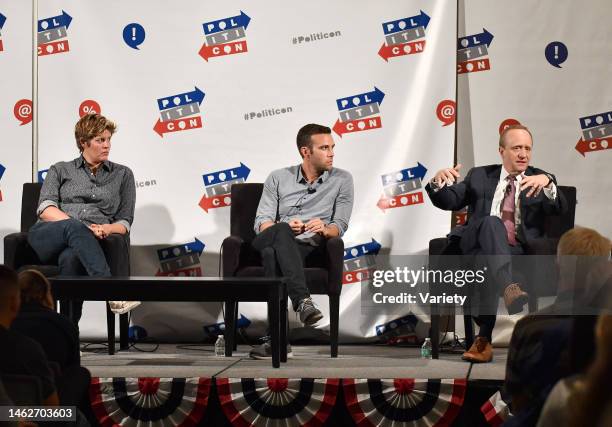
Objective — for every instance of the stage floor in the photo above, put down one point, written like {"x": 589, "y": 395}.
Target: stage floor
{"x": 354, "y": 361}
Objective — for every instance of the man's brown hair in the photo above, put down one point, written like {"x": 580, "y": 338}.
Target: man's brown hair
{"x": 34, "y": 286}
{"x": 583, "y": 241}
{"x": 90, "y": 126}
{"x": 502, "y": 142}
{"x": 304, "y": 135}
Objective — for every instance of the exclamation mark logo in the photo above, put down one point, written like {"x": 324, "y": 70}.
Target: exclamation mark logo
{"x": 133, "y": 35}
{"x": 556, "y": 54}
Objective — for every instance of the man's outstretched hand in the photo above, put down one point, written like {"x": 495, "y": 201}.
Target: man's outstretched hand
{"x": 447, "y": 176}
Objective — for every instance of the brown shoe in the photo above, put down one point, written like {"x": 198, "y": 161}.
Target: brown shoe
{"x": 480, "y": 352}
{"x": 515, "y": 298}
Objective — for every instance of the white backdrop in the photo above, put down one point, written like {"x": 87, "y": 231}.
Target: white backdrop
{"x": 281, "y": 69}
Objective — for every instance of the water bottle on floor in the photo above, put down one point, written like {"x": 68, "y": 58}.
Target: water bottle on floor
{"x": 426, "y": 349}
{"x": 220, "y": 346}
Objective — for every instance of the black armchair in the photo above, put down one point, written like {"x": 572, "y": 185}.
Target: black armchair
{"x": 555, "y": 226}
{"x": 323, "y": 276}
{"x": 19, "y": 255}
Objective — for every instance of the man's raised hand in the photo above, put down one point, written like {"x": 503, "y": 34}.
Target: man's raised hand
{"x": 447, "y": 176}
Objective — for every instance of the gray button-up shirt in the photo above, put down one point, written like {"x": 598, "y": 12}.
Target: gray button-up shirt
{"x": 108, "y": 197}
{"x": 287, "y": 195}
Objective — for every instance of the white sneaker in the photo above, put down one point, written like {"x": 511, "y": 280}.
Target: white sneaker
{"x": 122, "y": 307}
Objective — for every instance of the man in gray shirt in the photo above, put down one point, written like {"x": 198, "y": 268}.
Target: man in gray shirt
{"x": 82, "y": 200}
{"x": 300, "y": 207}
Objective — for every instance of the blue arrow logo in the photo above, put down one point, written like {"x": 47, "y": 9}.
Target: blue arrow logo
{"x": 196, "y": 246}
{"x": 475, "y": 40}
{"x": 376, "y": 95}
{"x": 219, "y": 177}
{"x": 180, "y": 250}
{"x": 181, "y": 99}
{"x": 241, "y": 20}
{"x": 62, "y": 20}
{"x": 2, "y": 20}
{"x": 356, "y": 251}
{"x": 2, "y": 169}
{"x": 407, "y": 174}
{"x": 421, "y": 20}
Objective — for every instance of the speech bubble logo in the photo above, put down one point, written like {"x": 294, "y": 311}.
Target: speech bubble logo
{"x": 506, "y": 123}
{"x": 556, "y": 54}
{"x": 23, "y": 111}
{"x": 446, "y": 112}
{"x": 89, "y": 106}
{"x": 133, "y": 35}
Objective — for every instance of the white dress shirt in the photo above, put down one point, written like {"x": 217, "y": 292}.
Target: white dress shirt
{"x": 500, "y": 191}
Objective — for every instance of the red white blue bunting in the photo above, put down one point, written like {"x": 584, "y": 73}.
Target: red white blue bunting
{"x": 159, "y": 402}
{"x": 404, "y": 402}
{"x": 495, "y": 410}
{"x": 277, "y": 401}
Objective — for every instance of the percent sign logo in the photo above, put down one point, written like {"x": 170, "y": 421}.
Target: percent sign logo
{"x": 23, "y": 111}
{"x": 446, "y": 112}
{"x": 89, "y": 106}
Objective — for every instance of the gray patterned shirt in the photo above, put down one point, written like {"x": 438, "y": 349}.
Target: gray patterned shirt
{"x": 108, "y": 197}
{"x": 287, "y": 195}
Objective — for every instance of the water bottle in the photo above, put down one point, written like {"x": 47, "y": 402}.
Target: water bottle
{"x": 426, "y": 349}
{"x": 220, "y": 346}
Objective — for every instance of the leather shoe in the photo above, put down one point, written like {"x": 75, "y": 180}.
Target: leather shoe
{"x": 515, "y": 298}
{"x": 480, "y": 352}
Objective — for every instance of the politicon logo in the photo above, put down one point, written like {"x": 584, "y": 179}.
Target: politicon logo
{"x": 179, "y": 112}
{"x": 402, "y": 188}
{"x": 359, "y": 113}
{"x": 473, "y": 52}
{"x": 404, "y": 36}
{"x": 53, "y": 34}
{"x": 2, "y": 21}
{"x": 596, "y": 133}
{"x": 218, "y": 186}
{"x": 359, "y": 262}
{"x": 225, "y": 36}
{"x": 2, "y": 170}
{"x": 181, "y": 260}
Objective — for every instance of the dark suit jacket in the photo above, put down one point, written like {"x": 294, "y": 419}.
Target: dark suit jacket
{"x": 476, "y": 191}
{"x": 56, "y": 334}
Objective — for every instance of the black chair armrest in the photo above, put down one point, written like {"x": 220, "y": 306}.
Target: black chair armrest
{"x": 335, "y": 264}
{"x": 116, "y": 248}
{"x": 18, "y": 252}
{"x": 231, "y": 255}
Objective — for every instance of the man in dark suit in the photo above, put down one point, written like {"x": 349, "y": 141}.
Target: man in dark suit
{"x": 507, "y": 207}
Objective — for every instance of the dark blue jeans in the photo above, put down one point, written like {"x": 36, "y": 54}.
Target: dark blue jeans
{"x": 73, "y": 247}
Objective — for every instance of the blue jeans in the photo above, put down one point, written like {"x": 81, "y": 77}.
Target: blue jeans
{"x": 73, "y": 247}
